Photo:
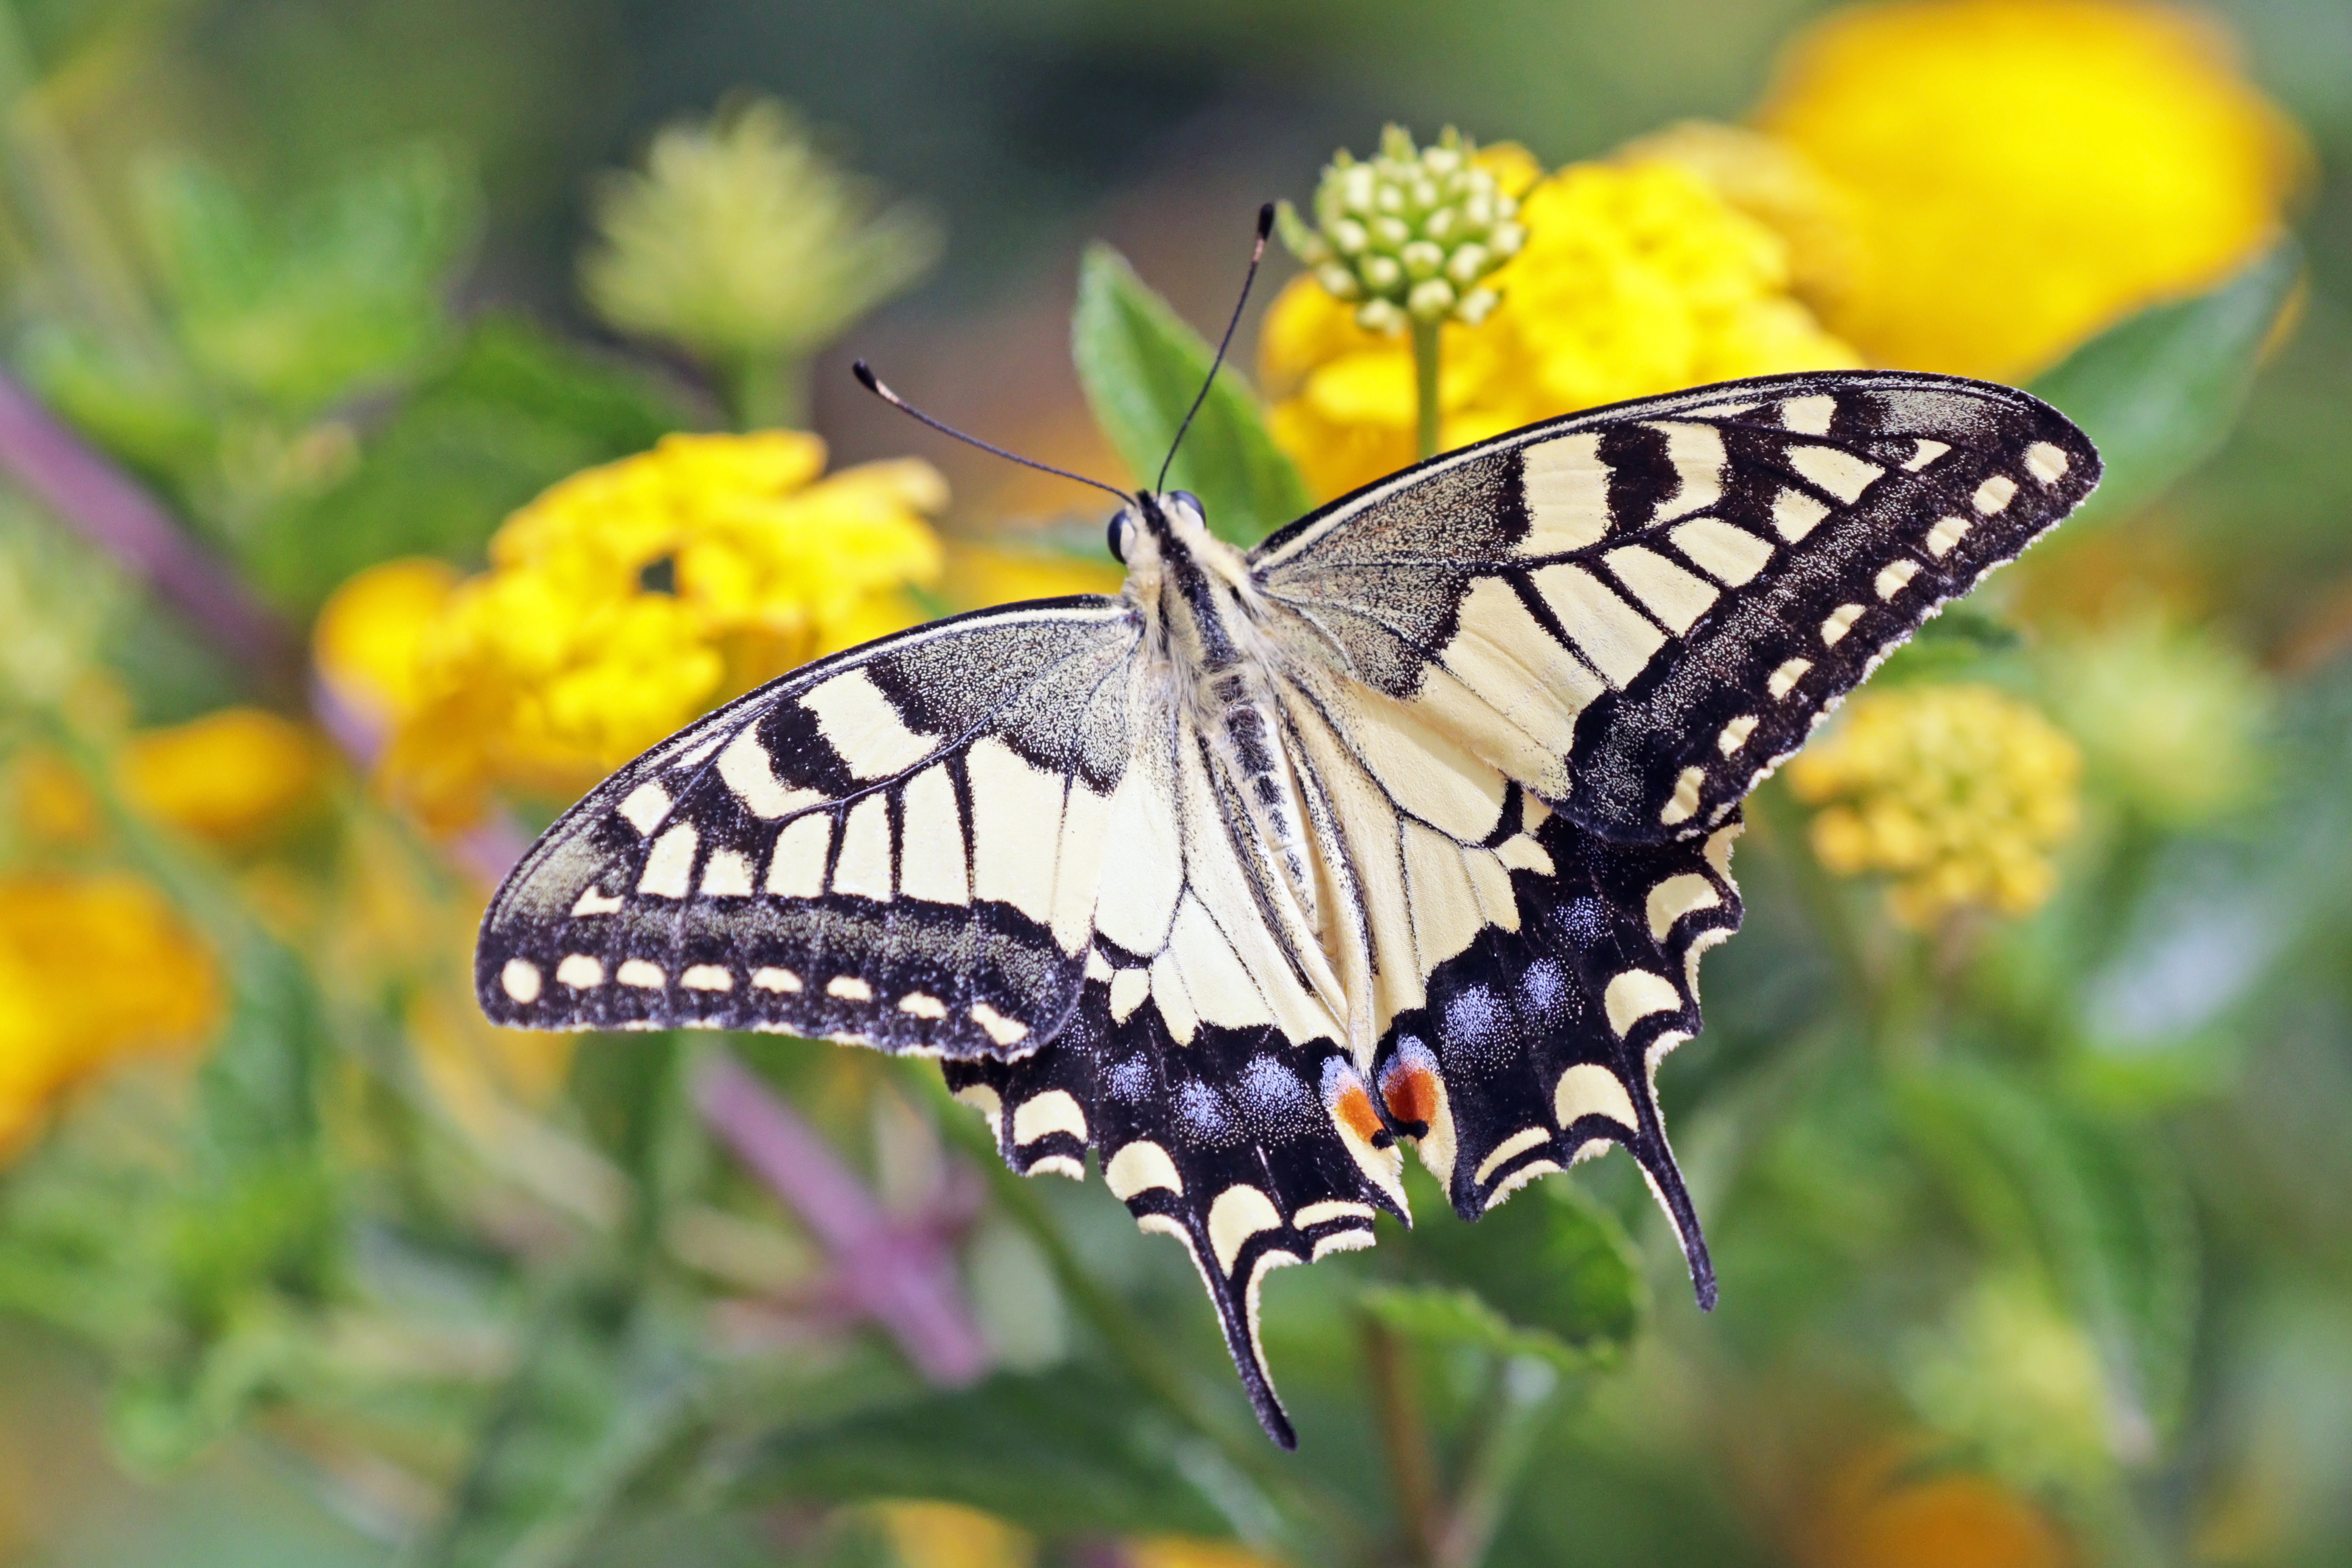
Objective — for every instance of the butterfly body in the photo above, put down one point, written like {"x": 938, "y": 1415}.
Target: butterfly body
{"x": 1408, "y": 825}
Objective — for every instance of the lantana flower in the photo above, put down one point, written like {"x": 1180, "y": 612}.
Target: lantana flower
{"x": 624, "y": 602}
{"x": 93, "y": 969}
{"x": 1634, "y": 278}
{"x": 1958, "y": 792}
{"x": 2023, "y": 173}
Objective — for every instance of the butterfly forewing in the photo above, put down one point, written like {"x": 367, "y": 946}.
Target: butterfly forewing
{"x": 1637, "y": 612}
{"x": 900, "y": 846}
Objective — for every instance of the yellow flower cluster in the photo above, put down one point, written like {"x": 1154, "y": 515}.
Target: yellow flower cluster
{"x": 2024, "y": 172}
{"x": 1956, "y": 792}
{"x": 234, "y": 776}
{"x": 92, "y": 970}
{"x": 622, "y": 603}
{"x": 1634, "y": 278}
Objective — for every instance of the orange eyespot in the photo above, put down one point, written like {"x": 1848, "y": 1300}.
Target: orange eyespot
{"x": 1355, "y": 1113}
{"x": 1412, "y": 1094}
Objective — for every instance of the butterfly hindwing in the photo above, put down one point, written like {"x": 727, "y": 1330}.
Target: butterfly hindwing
{"x": 1537, "y": 1044}
{"x": 1637, "y": 612}
{"x": 890, "y": 847}
{"x": 1251, "y": 1150}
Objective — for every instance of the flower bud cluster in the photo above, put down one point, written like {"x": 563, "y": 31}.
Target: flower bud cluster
{"x": 1410, "y": 235}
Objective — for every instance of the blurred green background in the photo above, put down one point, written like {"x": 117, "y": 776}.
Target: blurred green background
{"x": 2032, "y": 1231}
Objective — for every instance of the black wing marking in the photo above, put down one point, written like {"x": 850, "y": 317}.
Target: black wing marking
{"x": 897, "y": 846}
{"x": 1537, "y": 1047}
{"x": 1637, "y": 612}
{"x": 1251, "y": 1150}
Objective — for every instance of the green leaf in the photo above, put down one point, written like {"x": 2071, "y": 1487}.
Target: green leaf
{"x": 1549, "y": 1273}
{"x": 2099, "y": 1201}
{"x": 1444, "y": 1314}
{"x": 2158, "y": 394}
{"x": 1954, "y": 642}
{"x": 513, "y": 411}
{"x": 1141, "y": 367}
{"x": 336, "y": 293}
{"x": 1061, "y": 1452}
{"x": 607, "y": 1393}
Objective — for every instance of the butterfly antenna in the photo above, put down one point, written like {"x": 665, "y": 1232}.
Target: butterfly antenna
{"x": 1257, "y": 254}
{"x": 873, "y": 383}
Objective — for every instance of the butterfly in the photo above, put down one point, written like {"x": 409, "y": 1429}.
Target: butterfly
{"x": 1409, "y": 826}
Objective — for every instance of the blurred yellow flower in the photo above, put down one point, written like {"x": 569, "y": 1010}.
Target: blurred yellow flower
{"x": 93, "y": 969}
{"x": 624, "y": 602}
{"x": 1184, "y": 1552}
{"x": 232, "y": 776}
{"x": 1956, "y": 792}
{"x": 370, "y": 631}
{"x": 948, "y": 1535}
{"x": 979, "y": 576}
{"x": 49, "y": 800}
{"x": 1885, "y": 1508}
{"x": 1634, "y": 278}
{"x": 1776, "y": 185}
{"x": 2026, "y": 171}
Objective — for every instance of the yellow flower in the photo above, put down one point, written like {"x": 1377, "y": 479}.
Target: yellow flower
{"x": 1956, "y": 792}
{"x": 2026, "y": 171}
{"x": 948, "y": 1535}
{"x": 1634, "y": 278}
{"x": 624, "y": 602}
{"x": 368, "y": 634}
{"x": 1002, "y": 573}
{"x": 93, "y": 969}
{"x": 1779, "y": 186}
{"x": 232, "y": 776}
{"x": 1184, "y": 1552}
{"x": 1891, "y": 1506}
{"x": 51, "y": 802}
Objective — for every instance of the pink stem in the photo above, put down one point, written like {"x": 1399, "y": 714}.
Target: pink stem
{"x": 903, "y": 1278}
{"x": 105, "y": 506}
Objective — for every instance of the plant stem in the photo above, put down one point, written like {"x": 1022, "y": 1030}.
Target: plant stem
{"x": 907, "y": 1281}
{"x": 1424, "y": 388}
{"x": 1404, "y": 1434}
{"x": 769, "y": 392}
{"x": 1316, "y": 1529}
{"x": 99, "y": 501}
{"x": 1527, "y": 1391}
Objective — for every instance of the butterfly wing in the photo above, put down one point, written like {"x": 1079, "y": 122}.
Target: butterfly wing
{"x": 897, "y": 846}
{"x": 1536, "y": 678}
{"x": 1638, "y": 611}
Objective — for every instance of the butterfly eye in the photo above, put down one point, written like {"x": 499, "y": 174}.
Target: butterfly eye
{"x": 1117, "y": 538}
{"x": 1191, "y": 501}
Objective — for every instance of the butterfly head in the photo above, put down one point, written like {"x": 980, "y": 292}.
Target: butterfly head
{"x": 1163, "y": 518}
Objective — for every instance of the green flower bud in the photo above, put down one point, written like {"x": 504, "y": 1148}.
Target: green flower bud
{"x": 1339, "y": 282}
{"x": 1468, "y": 265}
{"x": 1410, "y": 234}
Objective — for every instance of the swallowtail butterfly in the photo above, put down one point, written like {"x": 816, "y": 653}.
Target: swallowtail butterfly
{"x": 1408, "y": 825}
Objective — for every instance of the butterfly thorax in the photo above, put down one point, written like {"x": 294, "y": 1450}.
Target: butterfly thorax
{"x": 1206, "y": 629}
